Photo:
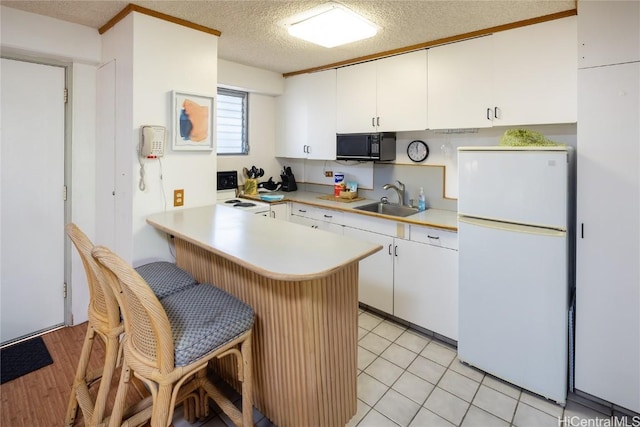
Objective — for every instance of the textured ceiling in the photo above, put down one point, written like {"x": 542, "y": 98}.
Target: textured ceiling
{"x": 253, "y": 35}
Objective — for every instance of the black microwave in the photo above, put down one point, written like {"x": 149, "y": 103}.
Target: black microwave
{"x": 379, "y": 146}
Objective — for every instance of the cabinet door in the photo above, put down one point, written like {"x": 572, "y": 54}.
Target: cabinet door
{"x": 608, "y": 249}
{"x": 279, "y": 211}
{"x": 356, "y": 96}
{"x": 535, "y": 74}
{"x": 459, "y": 84}
{"x": 402, "y": 92}
{"x": 321, "y": 115}
{"x": 426, "y": 287}
{"x": 375, "y": 285}
{"x": 291, "y": 130}
{"x": 608, "y": 32}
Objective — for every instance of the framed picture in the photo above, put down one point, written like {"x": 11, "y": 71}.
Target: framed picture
{"x": 192, "y": 117}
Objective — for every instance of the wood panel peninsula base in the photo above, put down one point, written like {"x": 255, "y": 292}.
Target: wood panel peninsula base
{"x": 303, "y": 285}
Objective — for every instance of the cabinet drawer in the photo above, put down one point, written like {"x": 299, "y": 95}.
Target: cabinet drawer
{"x": 326, "y": 215}
{"x": 376, "y": 225}
{"x": 434, "y": 236}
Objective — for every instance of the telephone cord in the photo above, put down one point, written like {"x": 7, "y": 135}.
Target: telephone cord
{"x": 141, "y": 185}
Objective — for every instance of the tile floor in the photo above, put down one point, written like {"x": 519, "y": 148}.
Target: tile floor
{"x": 406, "y": 378}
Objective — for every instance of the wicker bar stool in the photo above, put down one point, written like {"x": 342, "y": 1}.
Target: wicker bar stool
{"x": 105, "y": 322}
{"x": 168, "y": 343}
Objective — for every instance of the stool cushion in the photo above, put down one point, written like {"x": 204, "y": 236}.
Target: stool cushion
{"x": 202, "y": 319}
{"x": 165, "y": 278}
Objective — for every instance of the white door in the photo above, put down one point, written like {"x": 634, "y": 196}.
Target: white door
{"x": 32, "y": 205}
{"x": 106, "y": 152}
{"x": 608, "y": 243}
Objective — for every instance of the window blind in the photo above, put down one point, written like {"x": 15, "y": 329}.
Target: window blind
{"x": 231, "y": 127}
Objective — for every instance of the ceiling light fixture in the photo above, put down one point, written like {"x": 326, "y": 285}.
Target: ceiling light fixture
{"x": 333, "y": 26}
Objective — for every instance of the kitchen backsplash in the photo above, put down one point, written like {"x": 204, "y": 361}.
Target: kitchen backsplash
{"x": 437, "y": 175}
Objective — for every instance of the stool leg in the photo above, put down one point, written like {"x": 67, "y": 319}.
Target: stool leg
{"x": 204, "y": 398}
{"x": 111, "y": 357}
{"x": 121, "y": 396}
{"x": 80, "y": 377}
{"x": 247, "y": 382}
{"x": 161, "y": 406}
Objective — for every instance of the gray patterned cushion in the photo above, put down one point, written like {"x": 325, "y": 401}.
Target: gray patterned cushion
{"x": 165, "y": 278}
{"x": 202, "y": 319}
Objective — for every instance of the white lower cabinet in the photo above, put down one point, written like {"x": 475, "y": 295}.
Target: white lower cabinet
{"x": 426, "y": 287}
{"x": 415, "y": 275}
{"x": 322, "y": 219}
{"x": 375, "y": 286}
{"x": 279, "y": 211}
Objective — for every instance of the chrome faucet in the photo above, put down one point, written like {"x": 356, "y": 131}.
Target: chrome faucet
{"x": 399, "y": 191}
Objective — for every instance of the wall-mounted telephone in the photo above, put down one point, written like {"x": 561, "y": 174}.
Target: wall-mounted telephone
{"x": 153, "y": 141}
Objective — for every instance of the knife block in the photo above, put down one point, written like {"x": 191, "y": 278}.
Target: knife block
{"x": 288, "y": 183}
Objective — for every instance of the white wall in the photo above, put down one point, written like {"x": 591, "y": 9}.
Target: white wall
{"x": 168, "y": 57}
{"x": 443, "y": 147}
{"x": 243, "y": 77}
{"x": 45, "y": 39}
{"x": 153, "y": 58}
{"x": 262, "y": 86}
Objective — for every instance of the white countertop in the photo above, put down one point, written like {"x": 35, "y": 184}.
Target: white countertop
{"x": 275, "y": 249}
{"x": 439, "y": 218}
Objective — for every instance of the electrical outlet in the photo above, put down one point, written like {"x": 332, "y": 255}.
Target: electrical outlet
{"x": 178, "y": 197}
{"x": 328, "y": 174}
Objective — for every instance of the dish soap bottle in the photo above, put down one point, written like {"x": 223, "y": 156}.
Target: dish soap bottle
{"x": 422, "y": 203}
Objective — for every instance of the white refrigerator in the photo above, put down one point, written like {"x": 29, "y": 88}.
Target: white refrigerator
{"x": 515, "y": 216}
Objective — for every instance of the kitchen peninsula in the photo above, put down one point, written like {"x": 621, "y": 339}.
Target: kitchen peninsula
{"x": 303, "y": 286}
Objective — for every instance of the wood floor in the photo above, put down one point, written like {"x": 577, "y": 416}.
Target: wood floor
{"x": 40, "y": 398}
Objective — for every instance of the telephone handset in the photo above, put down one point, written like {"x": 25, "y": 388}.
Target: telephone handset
{"x": 153, "y": 141}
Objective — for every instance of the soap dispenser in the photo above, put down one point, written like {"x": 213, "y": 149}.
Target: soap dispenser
{"x": 422, "y": 203}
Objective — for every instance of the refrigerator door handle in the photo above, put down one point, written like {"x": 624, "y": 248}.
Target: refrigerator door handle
{"x": 517, "y": 228}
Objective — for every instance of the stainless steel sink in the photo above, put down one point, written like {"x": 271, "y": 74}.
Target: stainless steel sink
{"x": 388, "y": 209}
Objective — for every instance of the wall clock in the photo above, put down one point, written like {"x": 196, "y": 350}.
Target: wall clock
{"x": 417, "y": 151}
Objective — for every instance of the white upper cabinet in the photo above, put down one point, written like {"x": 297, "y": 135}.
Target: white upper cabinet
{"x": 291, "y": 127}
{"x": 609, "y": 32}
{"x": 459, "y": 84}
{"x": 321, "y": 115}
{"x": 386, "y": 95}
{"x": 307, "y": 117}
{"x": 523, "y": 76}
{"x": 356, "y": 94}
{"x": 535, "y": 74}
